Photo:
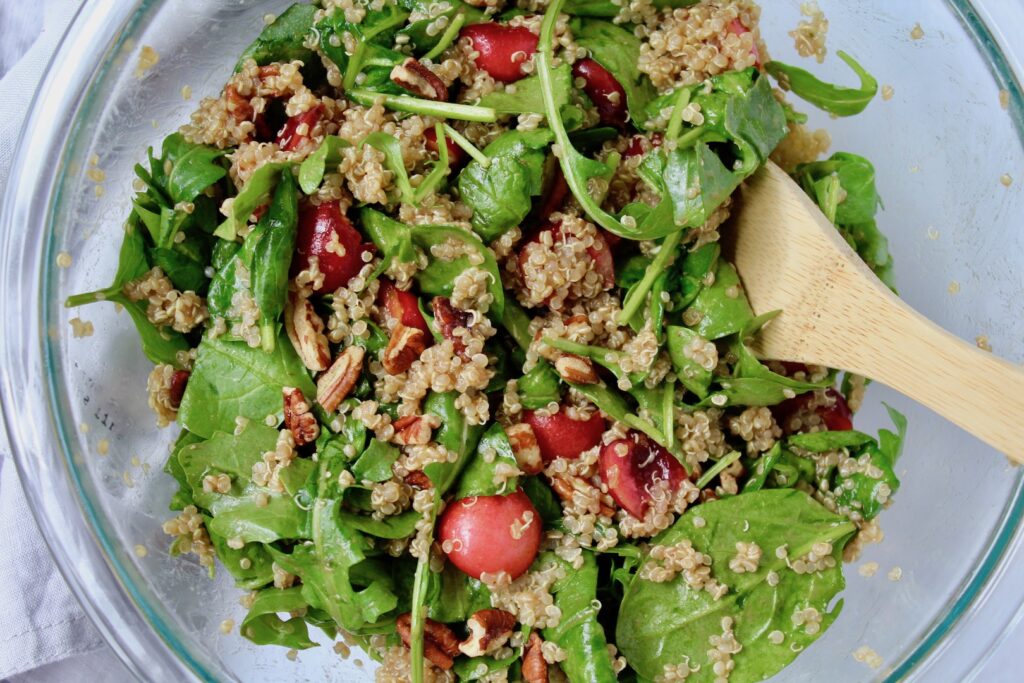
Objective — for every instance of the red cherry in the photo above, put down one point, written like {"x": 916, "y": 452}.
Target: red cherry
{"x": 604, "y": 91}
{"x": 837, "y": 417}
{"x": 177, "y": 389}
{"x": 558, "y": 190}
{"x": 502, "y": 49}
{"x": 401, "y": 306}
{"x": 456, "y": 155}
{"x": 632, "y": 466}
{"x": 317, "y": 227}
{"x": 491, "y": 534}
{"x": 639, "y": 144}
{"x": 560, "y": 436}
{"x": 290, "y": 137}
{"x": 600, "y": 252}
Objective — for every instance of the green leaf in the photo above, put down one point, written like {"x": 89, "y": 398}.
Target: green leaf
{"x": 193, "y": 168}
{"x": 835, "y": 99}
{"x": 283, "y": 40}
{"x": 762, "y": 468}
{"x": 618, "y": 51}
{"x": 416, "y": 105}
{"x": 723, "y": 306}
{"x": 671, "y": 623}
{"x": 376, "y": 29}
{"x": 183, "y": 496}
{"x": 251, "y": 565}
{"x": 329, "y": 153}
{"x": 456, "y": 596}
{"x": 539, "y": 387}
{"x": 456, "y": 434}
{"x": 376, "y": 462}
{"x": 423, "y": 40}
{"x": 257, "y": 191}
{"x": 691, "y": 374}
{"x": 250, "y": 521}
{"x": 543, "y": 498}
{"x": 697, "y": 167}
{"x": 396, "y": 526}
{"x": 231, "y": 380}
{"x": 478, "y": 478}
{"x": 757, "y": 119}
{"x": 527, "y": 97}
{"x": 273, "y": 257}
{"x": 263, "y": 627}
{"x": 819, "y": 442}
{"x": 438, "y": 278}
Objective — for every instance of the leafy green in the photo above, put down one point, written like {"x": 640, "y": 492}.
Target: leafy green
{"x": 396, "y": 526}
{"x": 454, "y": 597}
{"x": 527, "y": 97}
{"x": 478, "y": 478}
{"x": 257, "y": 191}
{"x": 273, "y": 257}
{"x": 416, "y": 105}
{"x": 374, "y": 464}
{"x": 835, "y": 99}
{"x": 723, "y": 307}
{"x": 422, "y": 40}
{"x": 263, "y": 626}
{"x": 762, "y": 468}
{"x": 691, "y": 374}
{"x": 539, "y": 387}
{"x": 183, "y": 496}
{"x": 250, "y": 565}
{"x": 231, "y": 380}
{"x": 618, "y": 51}
{"x": 671, "y": 623}
{"x": 610, "y": 10}
{"x": 376, "y": 29}
{"x": 312, "y": 169}
{"x": 283, "y": 40}
{"x": 500, "y": 193}
{"x": 456, "y": 434}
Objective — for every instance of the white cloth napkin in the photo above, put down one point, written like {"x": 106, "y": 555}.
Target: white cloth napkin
{"x": 40, "y": 620}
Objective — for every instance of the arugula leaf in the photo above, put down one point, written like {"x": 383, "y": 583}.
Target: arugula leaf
{"x": 377, "y": 28}
{"x": 527, "y": 98}
{"x": 694, "y": 376}
{"x": 618, "y": 51}
{"x": 273, "y": 257}
{"x": 417, "y": 33}
{"x": 416, "y": 105}
{"x": 539, "y": 387}
{"x": 283, "y": 40}
{"x": 478, "y": 478}
{"x": 671, "y": 623}
{"x": 311, "y": 171}
{"x": 396, "y": 526}
{"x": 231, "y": 380}
{"x": 257, "y": 191}
{"x": 835, "y": 99}
{"x": 375, "y": 463}
{"x": 723, "y": 306}
{"x": 263, "y": 626}
{"x": 454, "y": 597}
{"x": 819, "y": 442}
{"x": 456, "y": 434}
{"x": 255, "y": 572}
{"x": 500, "y": 192}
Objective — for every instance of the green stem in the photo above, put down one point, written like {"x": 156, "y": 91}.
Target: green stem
{"x": 448, "y": 37}
{"x": 637, "y": 295}
{"x": 675, "y": 122}
{"x": 419, "y": 614}
{"x": 355, "y": 65}
{"x": 689, "y": 138}
{"x": 467, "y": 146}
{"x": 416, "y": 105}
{"x": 668, "y": 413}
{"x": 268, "y": 336}
{"x": 439, "y": 171}
{"x": 108, "y": 294}
{"x": 726, "y": 460}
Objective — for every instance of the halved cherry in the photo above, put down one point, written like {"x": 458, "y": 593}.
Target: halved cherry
{"x": 600, "y": 252}
{"x": 501, "y": 50}
{"x": 491, "y": 534}
{"x": 456, "y": 155}
{"x": 324, "y": 231}
{"x": 639, "y": 144}
{"x": 736, "y": 27}
{"x": 177, "y": 388}
{"x": 560, "y": 436}
{"x": 837, "y": 417}
{"x": 632, "y": 467}
{"x": 298, "y": 127}
{"x": 603, "y": 90}
{"x": 401, "y": 306}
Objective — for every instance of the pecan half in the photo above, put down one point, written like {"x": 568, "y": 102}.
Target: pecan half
{"x": 177, "y": 388}
{"x": 419, "y": 80}
{"x": 440, "y": 645}
{"x": 418, "y": 479}
{"x": 525, "y": 448}
{"x": 535, "y": 667}
{"x": 489, "y": 629}
{"x": 306, "y": 331}
{"x": 566, "y": 486}
{"x": 576, "y": 369}
{"x": 404, "y": 347}
{"x": 298, "y": 417}
{"x": 414, "y": 430}
{"x": 335, "y": 384}
{"x": 449, "y": 319}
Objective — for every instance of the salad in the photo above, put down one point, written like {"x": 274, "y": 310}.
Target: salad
{"x": 435, "y": 293}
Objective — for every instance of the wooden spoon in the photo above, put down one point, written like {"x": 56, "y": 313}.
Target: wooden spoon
{"x": 836, "y": 313}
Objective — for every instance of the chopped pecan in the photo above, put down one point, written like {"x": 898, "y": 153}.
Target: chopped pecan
{"x": 414, "y": 430}
{"x": 335, "y": 384}
{"x": 418, "y": 479}
{"x": 576, "y": 369}
{"x": 306, "y": 331}
{"x": 237, "y": 105}
{"x": 404, "y": 347}
{"x": 535, "y": 667}
{"x": 298, "y": 417}
{"x": 489, "y": 629}
{"x": 177, "y": 388}
{"x": 440, "y": 645}
{"x": 525, "y": 448}
{"x": 449, "y": 319}
{"x": 419, "y": 80}
{"x": 568, "y": 485}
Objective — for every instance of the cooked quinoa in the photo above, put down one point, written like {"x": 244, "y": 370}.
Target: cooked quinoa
{"x": 439, "y": 304}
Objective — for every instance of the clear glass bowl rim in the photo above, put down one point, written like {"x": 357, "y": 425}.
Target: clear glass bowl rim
{"x": 83, "y": 552}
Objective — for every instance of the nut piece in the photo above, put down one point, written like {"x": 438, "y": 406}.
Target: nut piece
{"x": 418, "y": 479}
{"x": 404, "y": 347}
{"x": 335, "y": 384}
{"x": 489, "y": 629}
{"x": 419, "y": 80}
{"x": 576, "y": 369}
{"x": 414, "y": 430}
{"x": 306, "y": 331}
{"x": 525, "y": 448}
{"x": 440, "y": 645}
{"x": 449, "y": 319}
{"x": 298, "y": 417}
{"x": 535, "y": 667}
{"x": 567, "y": 485}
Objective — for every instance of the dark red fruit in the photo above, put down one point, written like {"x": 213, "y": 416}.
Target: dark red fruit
{"x": 502, "y": 49}
{"x": 632, "y": 467}
{"x": 177, "y": 388}
{"x": 604, "y": 91}
{"x": 560, "y": 436}
{"x": 317, "y": 227}
{"x": 491, "y": 534}
{"x": 837, "y": 417}
{"x": 456, "y": 155}
{"x": 297, "y": 128}
{"x": 639, "y": 144}
{"x": 557, "y": 191}
{"x": 399, "y": 306}
{"x": 600, "y": 252}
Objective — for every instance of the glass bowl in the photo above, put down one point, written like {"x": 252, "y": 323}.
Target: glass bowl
{"x": 90, "y": 456}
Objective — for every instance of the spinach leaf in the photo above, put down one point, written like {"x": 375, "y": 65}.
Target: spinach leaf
{"x": 273, "y": 257}
{"x": 694, "y": 376}
{"x": 312, "y": 169}
{"x": 819, "y": 442}
{"x": 762, "y": 468}
{"x": 610, "y": 10}
{"x": 697, "y": 266}
{"x": 723, "y": 307}
{"x": 579, "y": 633}
{"x": 263, "y": 626}
{"x": 375, "y": 462}
{"x": 517, "y": 323}
{"x": 456, "y": 596}
{"x": 539, "y": 387}
{"x": 254, "y": 572}
{"x": 757, "y": 120}
{"x": 543, "y": 498}
{"x": 834, "y": 99}
{"x": 231, "y": 380}
{"x": 527, "y": 98}
{"x": 183, "y": 496}
{"x": 283, "y": 40}
{"x": 377, "y": 28}
{"x": 396, "y": 526}
{"x": 456, "y": 434}
{"x": 618, "y": 51}
{"x": 257, "y": 191}
{"x": 671, "y": 623}
{"x": 438, "y": 278}
{"x": 478, "y": 478}
{"x": 500, "y": 192}
{"x": 423, "y": 40}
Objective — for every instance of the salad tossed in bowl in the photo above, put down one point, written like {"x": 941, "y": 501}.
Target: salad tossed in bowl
{"x": 434, "y": 291}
